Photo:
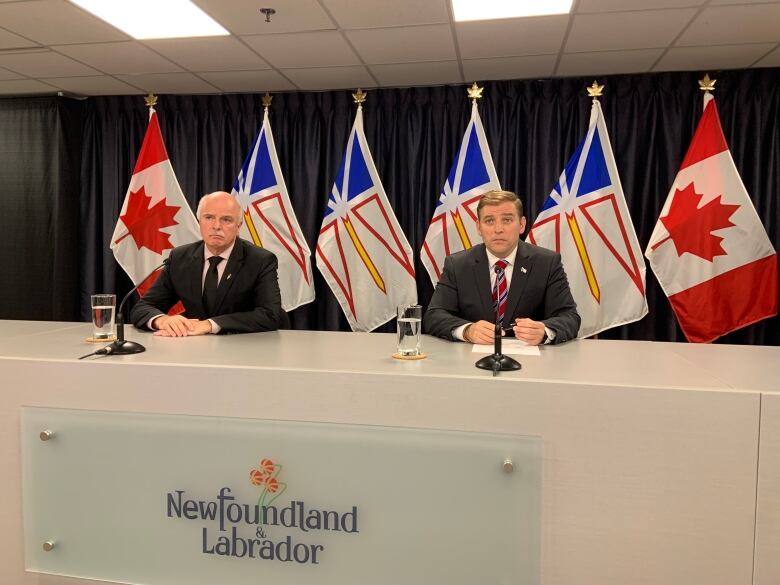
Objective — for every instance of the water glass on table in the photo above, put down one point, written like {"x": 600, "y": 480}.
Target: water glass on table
{"x": 409, "y": 320}
{"x": 103, "y": 312}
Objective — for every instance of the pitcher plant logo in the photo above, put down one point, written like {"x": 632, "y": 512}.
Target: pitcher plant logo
{"x": 266, "y": 475}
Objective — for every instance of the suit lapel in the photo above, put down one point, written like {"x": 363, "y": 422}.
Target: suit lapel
{"x": 481, "y": 269}
{"x": 520, "y": 273}
{"x": 194, "y": 271}
{"x": 234, "y": 265}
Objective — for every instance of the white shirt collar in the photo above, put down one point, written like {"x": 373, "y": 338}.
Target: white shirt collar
{"x": 225, "y": 254}
{"x": 510, "y": 258}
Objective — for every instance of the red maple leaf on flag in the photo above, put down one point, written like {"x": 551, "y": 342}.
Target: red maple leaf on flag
{"x": 144, "y": 223}
{"x": 690, "y": 227}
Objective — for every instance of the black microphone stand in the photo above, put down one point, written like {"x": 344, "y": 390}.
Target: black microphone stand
{"x": 123, "y": 346}
{"x": 498, "y": 362}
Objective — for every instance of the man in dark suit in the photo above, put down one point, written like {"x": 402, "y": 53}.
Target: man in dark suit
{"x": 226, "y": 285}
{"x": 525, "y": 282}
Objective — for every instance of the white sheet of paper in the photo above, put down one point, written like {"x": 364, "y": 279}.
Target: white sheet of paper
{"x": 509, "y": 347}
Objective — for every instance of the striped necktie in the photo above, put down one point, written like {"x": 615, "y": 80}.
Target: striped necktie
{"x": 500, "y": 290}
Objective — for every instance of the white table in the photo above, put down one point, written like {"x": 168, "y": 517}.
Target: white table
{"x": 661, "y": 460}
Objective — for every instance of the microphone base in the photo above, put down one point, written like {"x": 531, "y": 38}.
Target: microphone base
{"x": 498, "y": 362}
{"x": 125, "y": 347}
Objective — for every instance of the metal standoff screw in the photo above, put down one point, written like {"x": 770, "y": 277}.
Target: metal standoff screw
{"x": 508, "y": 466}
{"x": 48, "y": 545}
{"x": 46, "y": 435}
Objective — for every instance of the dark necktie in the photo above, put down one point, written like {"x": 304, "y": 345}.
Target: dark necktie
{"x": 210, "y": 286}
{"x": 500, "y": 290}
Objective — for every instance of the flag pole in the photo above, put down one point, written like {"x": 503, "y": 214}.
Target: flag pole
{"x": 707, "y": 85}
{"x": 474, "y": 93}
{"x": 250, "y": 224}
{"x": 151, "y": 101}
{"x": 359, "y": 98}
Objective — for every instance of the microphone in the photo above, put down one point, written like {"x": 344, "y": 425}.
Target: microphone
{"x": 121, "y": 346}
{"x": 498, "y": 362}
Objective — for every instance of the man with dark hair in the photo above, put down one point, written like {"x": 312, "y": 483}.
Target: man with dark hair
{"x": 524, "y": 283}
{"x": 226, "y": 285}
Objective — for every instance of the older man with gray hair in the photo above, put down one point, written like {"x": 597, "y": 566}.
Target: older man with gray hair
{"x": 227, "y": 285}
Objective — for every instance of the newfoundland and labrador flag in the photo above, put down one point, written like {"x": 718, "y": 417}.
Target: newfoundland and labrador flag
{"x": 155, "y": 217}
{"x": 361, "y": 251}
{"x": 269, "y": 219}
{"x": 586, "y": 219}
{"x": 453, "y": 226}
{"x": 709, "y": 250}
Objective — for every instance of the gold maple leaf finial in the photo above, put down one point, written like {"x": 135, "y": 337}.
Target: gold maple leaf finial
{"x": 475, "y": 92}
{"x": 266, "y": 100}
{"x": 151, "y": 100}
{"x": 595, "y": 90}
{"x": 707, "y": 84}
{"x": 359, "y": 96}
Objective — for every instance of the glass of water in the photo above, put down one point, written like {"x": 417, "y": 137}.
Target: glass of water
{"x": 103, "y": 309}
{"x": 409, "y": 319}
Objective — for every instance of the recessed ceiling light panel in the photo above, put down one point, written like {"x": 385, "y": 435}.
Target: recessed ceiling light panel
{"x": 155, "y": 19}
{"x": 465, "y": 10}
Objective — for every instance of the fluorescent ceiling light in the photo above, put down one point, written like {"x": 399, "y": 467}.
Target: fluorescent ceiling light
{"x": 465, "y": 10}
{"x": 155, "y": 19}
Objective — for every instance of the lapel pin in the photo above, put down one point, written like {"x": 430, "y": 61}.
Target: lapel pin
{"x": 523, "y": 270}
{"x": 229, "y": 275}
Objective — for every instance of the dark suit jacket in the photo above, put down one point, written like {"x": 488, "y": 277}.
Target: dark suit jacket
{"x": 540, "y": 292}
{"x": 248, "y": 296}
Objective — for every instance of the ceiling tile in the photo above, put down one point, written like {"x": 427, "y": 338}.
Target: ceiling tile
{"x": 44, "y": 64}
{"x": 626, "y": 30}
{"x": 406, "y": 74}
{"x": 169, "y": 83}
{"x": 586, "y": 6}
{"x": 312, "y": 49}
{"x": 512, "y": 37}
{"x": 55, "y": 22}
{"x": 363, "y": 14}
{"x": 9, "y": 40}
{"x": 330, "y": 78}
{"x": 771, "y": 60}
{"x": 720, "y": 57}
{"x": 93, "y": 85}
{"x": 209, "y": 54}
{"x": 537, "y": 66}
{"x": 607, "y": 62}
{"x": 128, "y": 57}
{"x": 242, "y": 17}
{"x": 404, "y": 45}
{"x": 724, "y": 25}
{"x": 6, "y": 74}
{"x": 25, "y": 86}
{"x": 247, "y": 81}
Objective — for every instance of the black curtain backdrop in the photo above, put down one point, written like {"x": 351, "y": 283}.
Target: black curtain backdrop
{"x": 40, "y": 160}
{"x": 532, "y": 128}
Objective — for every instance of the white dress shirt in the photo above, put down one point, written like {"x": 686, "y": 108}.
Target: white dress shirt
{"x": 225, "y": 255}
{"x": 457, "y": 333}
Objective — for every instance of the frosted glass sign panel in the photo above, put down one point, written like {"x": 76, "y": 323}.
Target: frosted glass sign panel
{"x": 164, "y": 499}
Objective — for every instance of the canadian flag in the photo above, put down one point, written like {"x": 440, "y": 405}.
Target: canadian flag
{"x": 709, "y": 250}
{"x": 155, "y": 217}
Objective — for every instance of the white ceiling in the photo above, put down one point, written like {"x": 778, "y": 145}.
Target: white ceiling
{"x": 48, "y": 46}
